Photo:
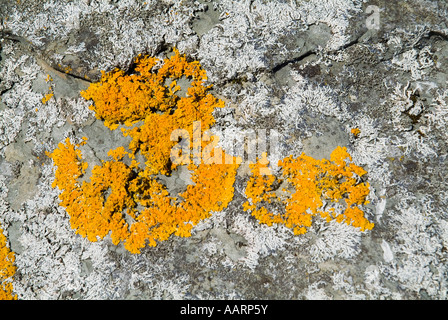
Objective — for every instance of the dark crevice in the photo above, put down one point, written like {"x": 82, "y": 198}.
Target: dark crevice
{"x": 280, "y": 66}
{"x": 439, "y": 34}
{"x": 303, "y": 56}
{"x": 162, "y": 47}
{"x": 10, "y": 38}
{"x": 70, "y": 74}
{"x": 349, "y": 44}
{"x": 131, "y": 68}
{"x": 2, "y": 92}
{"x": 427, "y": 37}
{"x": 32, "y": 49}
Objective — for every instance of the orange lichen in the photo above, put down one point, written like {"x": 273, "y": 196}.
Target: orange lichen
{"x": 127, "y": 99}
{"x": 164, "y": 215}
{"x": 355, "y": 132}
{"x": 127, "y": 201}
{"x": 312, "y": 184}
{"x": 66, "y": 69}
{"x": 47, "y": 97}
{"x": 259, "y": 189}
{"x": 7, "y": 270}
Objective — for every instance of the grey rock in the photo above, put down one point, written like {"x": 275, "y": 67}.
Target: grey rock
{"x": 309, "y": 69}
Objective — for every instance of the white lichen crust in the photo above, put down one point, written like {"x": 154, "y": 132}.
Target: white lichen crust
{"x": 307, "y": 71}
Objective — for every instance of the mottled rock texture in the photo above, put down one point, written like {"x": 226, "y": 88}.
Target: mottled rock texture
{"x": 311, "y": 70}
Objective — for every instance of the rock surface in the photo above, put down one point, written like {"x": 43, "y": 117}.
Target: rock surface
{"x": 310, "y": 70}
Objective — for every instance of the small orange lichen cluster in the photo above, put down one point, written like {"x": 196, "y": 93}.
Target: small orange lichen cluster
{"x": 7, "y": 270}
{"x": 47, "y": 97}
{"x": 65, "y": 69}
{"x": 125, "y": 200}
{"x": 50, "y": 94}
{"x": 312, "y": 183}
{"x": 355, "y": 132}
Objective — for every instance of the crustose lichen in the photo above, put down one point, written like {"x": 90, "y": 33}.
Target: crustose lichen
{"x": 311, "y": 187}
{"x": 7, "y": 269}
{"x": 126, "y": 200}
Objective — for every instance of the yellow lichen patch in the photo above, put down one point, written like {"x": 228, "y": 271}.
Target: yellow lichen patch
{"x": 118, "y": 153}
{"x": 66, "y": 69}
{"x": 93, "y": 215}
{"x": 47, "y": 97}
{"x": 126, "y": 99}
{"x": 312, "y": 184}
{"x": 7, "y": 270}
{"x": 355, "y": 132}
{"x": 129, "y": 202}
{"x": 259, "y": 190}
{"x": 164, "y": 215}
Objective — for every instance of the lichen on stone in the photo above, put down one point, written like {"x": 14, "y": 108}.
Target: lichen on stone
{"x": 311, "y": 186}
{"x": 110, "y": 201}
{"x": 7, "y": 269}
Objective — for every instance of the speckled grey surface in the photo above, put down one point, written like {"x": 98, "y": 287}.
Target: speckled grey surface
{"x": 311, "y": 70}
